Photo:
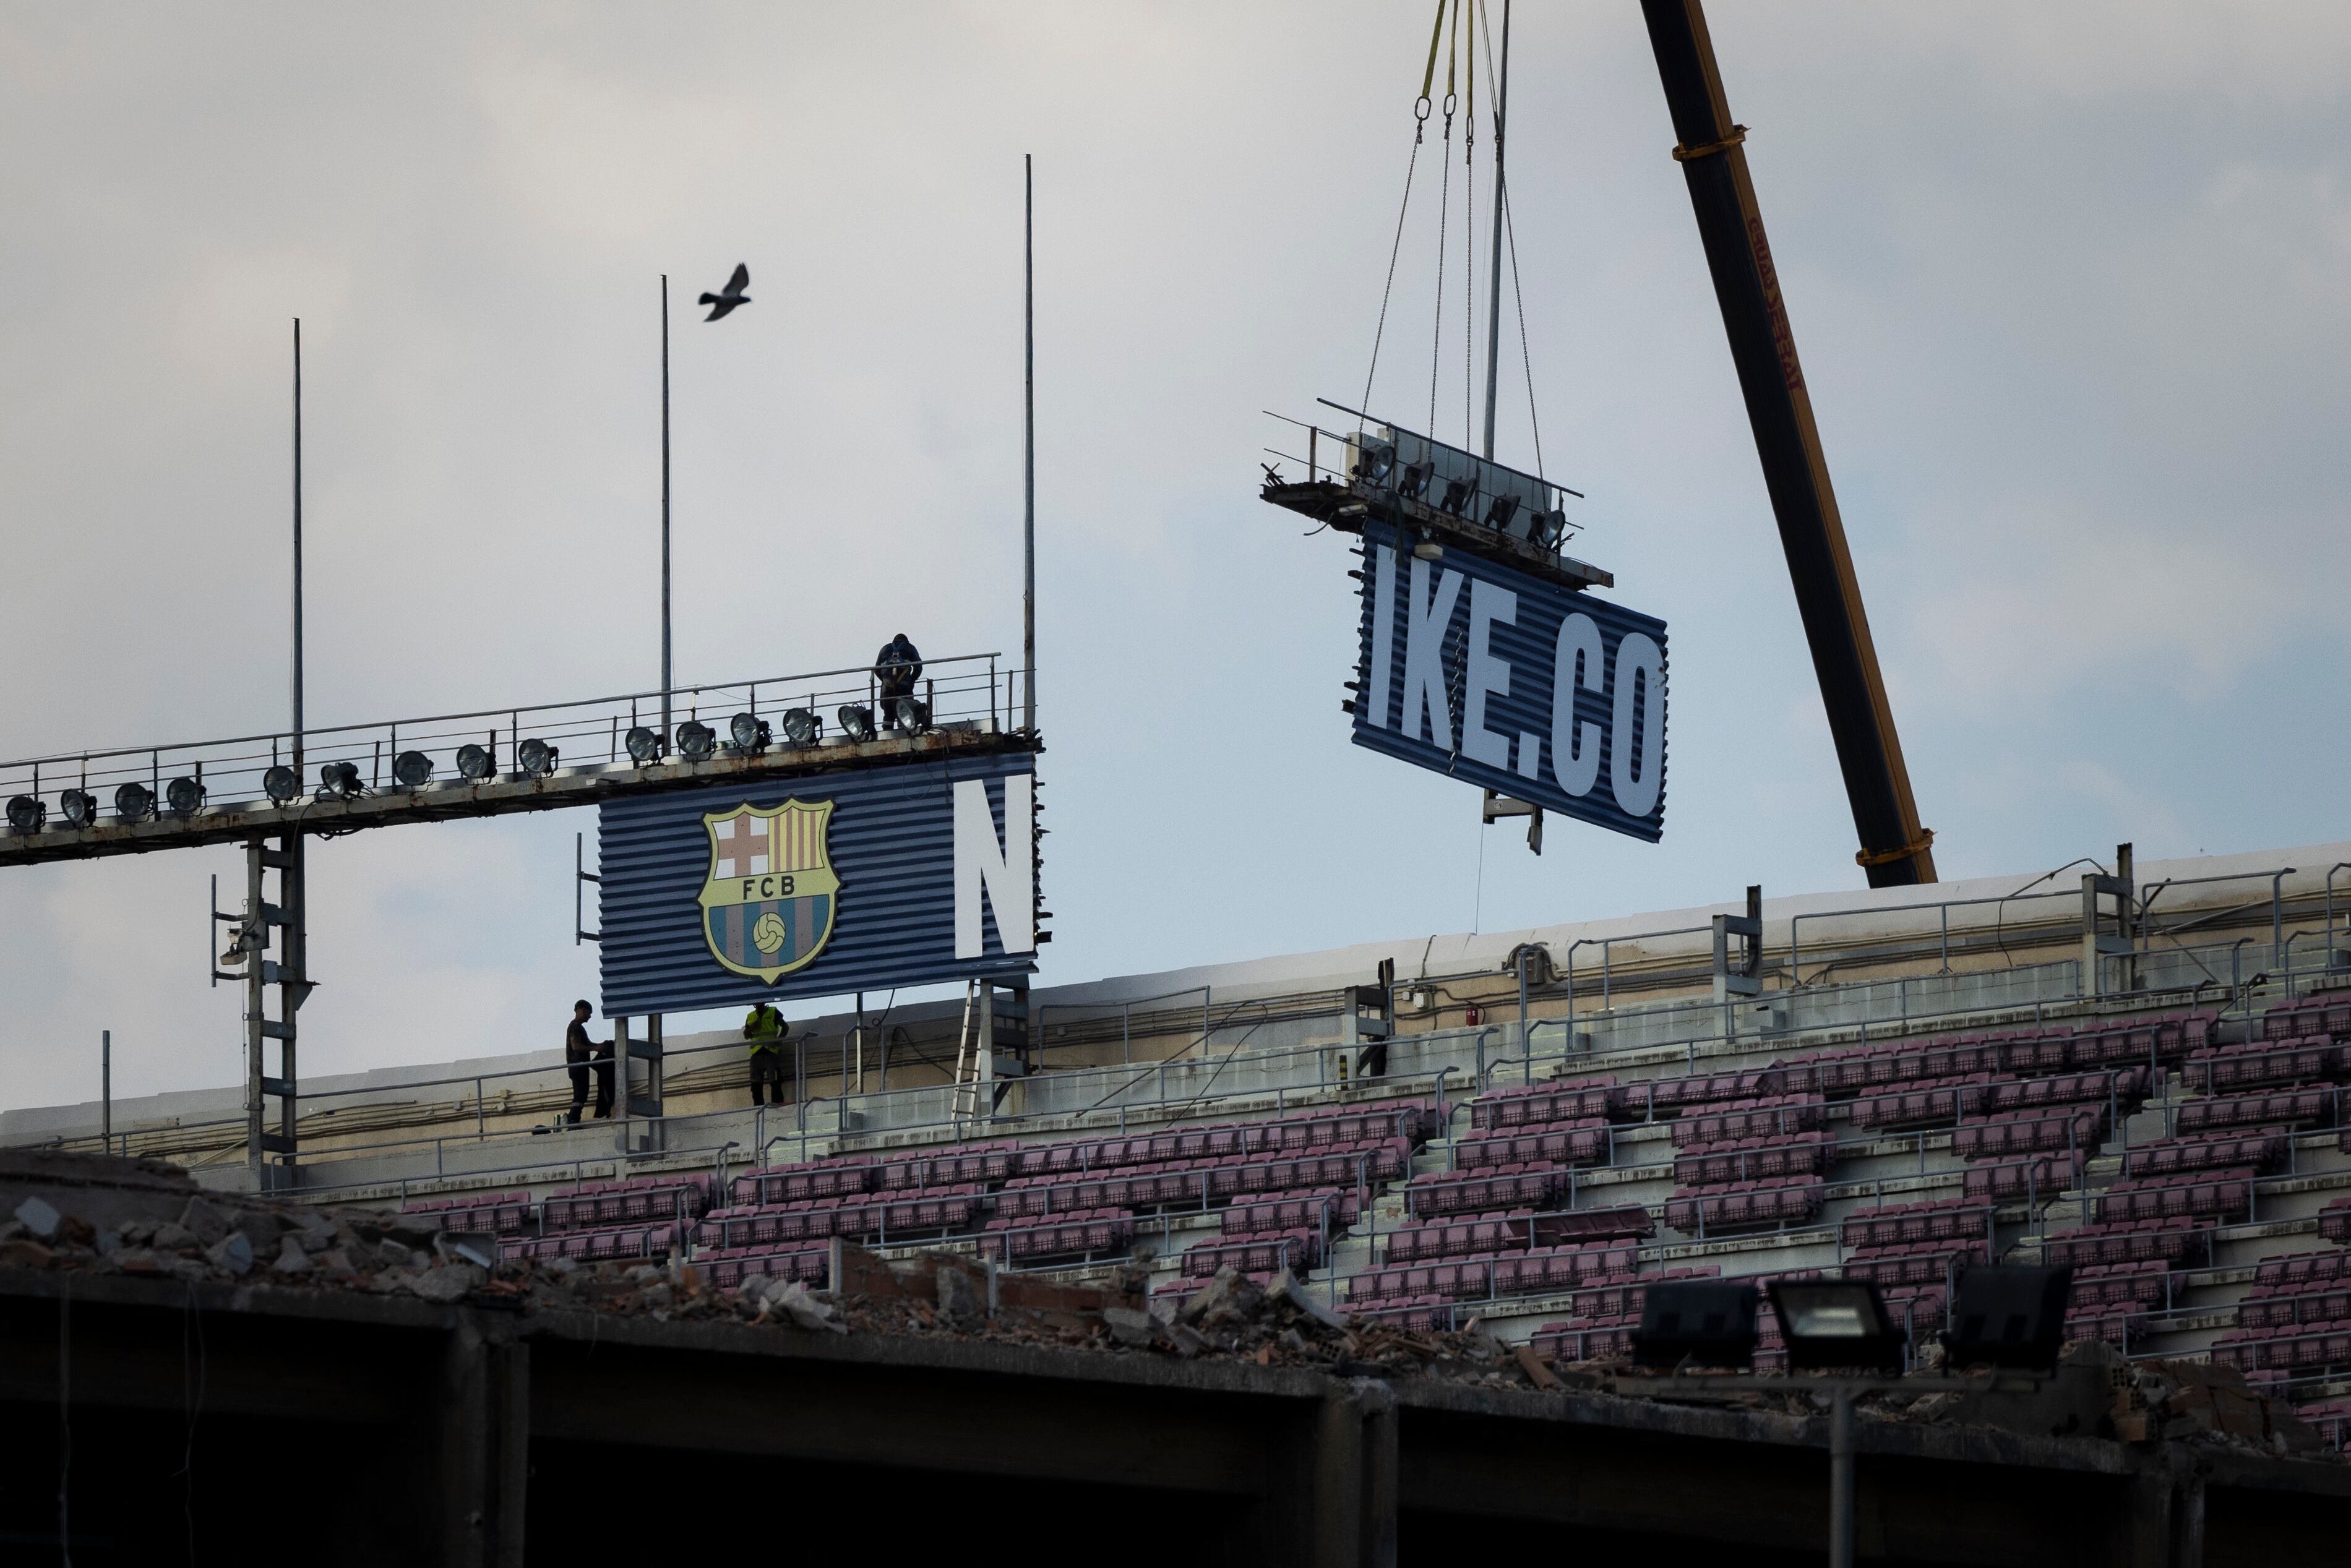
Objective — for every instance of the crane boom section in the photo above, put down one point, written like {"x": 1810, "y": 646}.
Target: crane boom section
{"x": 1894, "y": 849}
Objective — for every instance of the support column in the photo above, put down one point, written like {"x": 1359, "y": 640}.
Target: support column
{"x": 1349, "y": 1514}
{"x": 485, "y": 1448}
{"x": 644, "y": 1095}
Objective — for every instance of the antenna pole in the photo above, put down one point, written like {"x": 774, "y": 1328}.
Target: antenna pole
{"x": 1494, "y": 293}
{"x": 297, "y": 548}
{"x": 1028, "y": 443}
{"x": 667, "y": 682}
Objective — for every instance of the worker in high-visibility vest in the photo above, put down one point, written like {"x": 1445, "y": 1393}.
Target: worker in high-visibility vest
{"x": 763, "y": 1026}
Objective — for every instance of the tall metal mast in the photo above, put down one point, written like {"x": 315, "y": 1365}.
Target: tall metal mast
{"x": 667, "y": 680}
{"x": 1494, "y": 293}
{"x": 297, "y": 548}
{"x": 1029, "y": 441}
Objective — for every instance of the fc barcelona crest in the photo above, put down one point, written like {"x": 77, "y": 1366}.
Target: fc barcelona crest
{"x": 768, "y": 901}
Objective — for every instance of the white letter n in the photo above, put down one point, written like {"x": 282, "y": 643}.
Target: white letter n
{"x": 1006, "y": 871}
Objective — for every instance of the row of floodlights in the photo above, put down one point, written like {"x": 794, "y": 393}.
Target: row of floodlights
{"x": 696, "y": 742}
{"x": 2007, "y": 1316}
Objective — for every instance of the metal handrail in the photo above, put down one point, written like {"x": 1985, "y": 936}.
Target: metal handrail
{"x": 375, "y": 745}
{"x": 1795, "y": 922}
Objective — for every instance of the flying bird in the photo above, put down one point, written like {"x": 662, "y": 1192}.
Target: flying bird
{"x": 731, "y": 296}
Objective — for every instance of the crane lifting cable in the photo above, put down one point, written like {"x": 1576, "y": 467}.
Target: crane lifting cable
{"x": 1459, "y": 31}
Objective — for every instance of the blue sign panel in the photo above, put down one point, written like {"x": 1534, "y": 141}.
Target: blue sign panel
{"x": 1503, "y": 680}
{"x": 900, "y": 876}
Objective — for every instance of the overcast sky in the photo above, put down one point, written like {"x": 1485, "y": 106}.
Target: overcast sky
{"x": 2070, "y": 284}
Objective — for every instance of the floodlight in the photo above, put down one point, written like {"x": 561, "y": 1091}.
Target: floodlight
{"x": 909, "y": 714}
{"x": 133, "y": 802}
{"x": 748, "y": 734}
{"x": 644, "y": 746}
{"x": 412, "y": 769}
{"x": 535, "y": 756}
{"x": 1696, "y": 1322}
{"x": 80, "y": 807}
{"x": 338, "y": 778}
{"x": 696, "y": 741}
{"x": 474, "y": 763}
{"x": 802, "y": 726}
{"x": 2008, "y": 1316}
{"x": 280, "y": 783}
{"x": 185, "y": 796}
{"x": 856, "y": 722}
{"x": 27, "y": 813}
{"x": 1836, "y": 1323}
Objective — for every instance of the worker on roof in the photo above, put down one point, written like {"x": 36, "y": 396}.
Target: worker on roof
{"x": 763, "y": 1026}
{"x": 896, "y": 668}
{"x": 579, "y": 1053}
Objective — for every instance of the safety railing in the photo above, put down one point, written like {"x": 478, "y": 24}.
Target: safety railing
{"x": 809, "y": 712}
{"x": 1206, "y": 1079}
{"x": 1383, "y": 457}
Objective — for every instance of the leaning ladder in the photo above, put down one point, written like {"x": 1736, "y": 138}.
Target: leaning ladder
{"x": 967, "y": 1048}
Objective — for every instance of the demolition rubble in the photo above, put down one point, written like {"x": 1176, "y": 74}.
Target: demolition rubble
{"x": 145, "y": 1219}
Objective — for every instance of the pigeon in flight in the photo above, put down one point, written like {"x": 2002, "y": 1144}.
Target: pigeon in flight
{"x": 731, "y": 296}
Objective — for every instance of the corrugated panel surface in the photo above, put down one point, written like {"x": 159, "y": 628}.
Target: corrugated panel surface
{"x": 892, "y": 842}
{"x": 1522, "y": 628}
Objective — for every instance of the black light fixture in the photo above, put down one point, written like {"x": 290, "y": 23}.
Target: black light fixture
{"x": 697, "y": 740}
{"x": 856, "y": 722}
{"x": 910, "y": 714}
{"x": 644, "y": 746}
{"x": 80, "y": 807}
{"x": 535, "y": 757}
{"x": 133, "y": 802}
{"x": 2011, "y": 1316}
{"x": 338, "y": 781}
{"x": 185, "y": 796}
{"x": 280, "y": 783}
{"x": 1695, "y": 1323}
{"x": 748, "y": 734}
{"x": 474, "y": 763}
{"x": 802, "y": 726}
{"x": 412, "y": 769}
{"x": 1836, "y": 1324}
{"x": 27, "y": 813}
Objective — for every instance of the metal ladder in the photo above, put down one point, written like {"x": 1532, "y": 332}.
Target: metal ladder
{"x": 969, "y": 1046}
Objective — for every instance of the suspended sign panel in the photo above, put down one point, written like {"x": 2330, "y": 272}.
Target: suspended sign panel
{"x": 1501, "y": 679}
{"x": 894, "y": 876}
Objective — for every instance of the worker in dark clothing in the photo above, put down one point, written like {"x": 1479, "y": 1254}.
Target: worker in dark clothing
{"x": 579, "y": 1055}
{"x": 764, "y": 1026}
{"x": 896, "y": 668}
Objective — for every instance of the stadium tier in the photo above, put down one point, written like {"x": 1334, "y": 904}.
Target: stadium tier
{"x": 2183, "y": 1147}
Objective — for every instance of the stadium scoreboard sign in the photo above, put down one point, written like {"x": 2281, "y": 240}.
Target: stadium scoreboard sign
{"x": 899, "y": 875}
{"x": 1494, "y": 675}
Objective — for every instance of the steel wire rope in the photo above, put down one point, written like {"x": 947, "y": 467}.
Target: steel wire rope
{"x": 1420, "y": 113}
{"x": 1420, "y": 108}
{"x": 1999, "y": 909}
{"x": 1443, "y": 211}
